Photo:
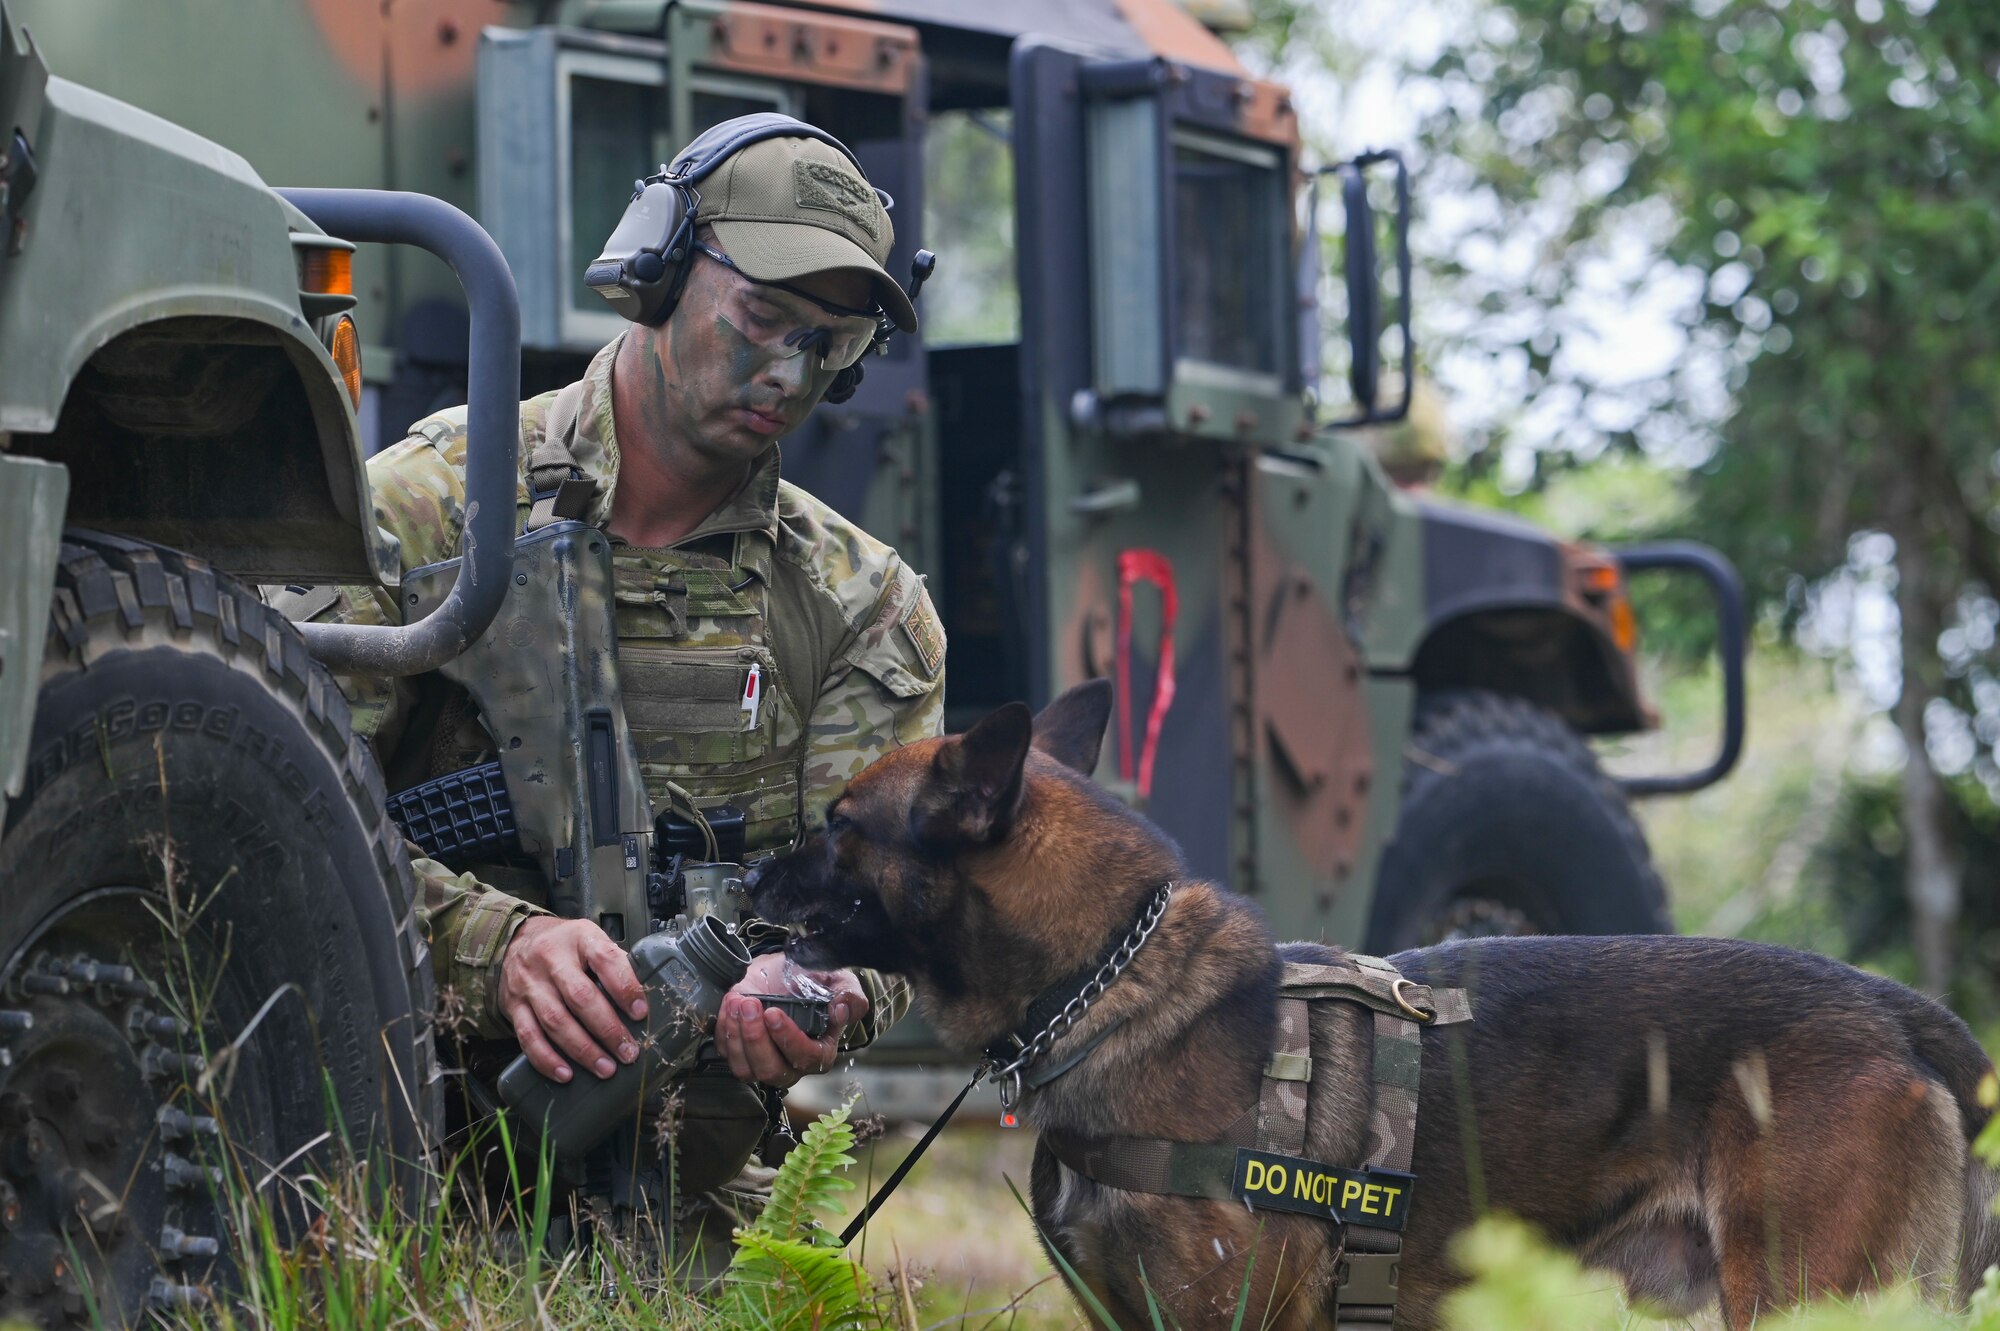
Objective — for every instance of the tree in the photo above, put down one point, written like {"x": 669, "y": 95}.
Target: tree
{"x": 1819, "y": 176}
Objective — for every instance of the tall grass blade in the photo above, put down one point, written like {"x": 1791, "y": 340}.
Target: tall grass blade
{"x": 1083, "y": 1291}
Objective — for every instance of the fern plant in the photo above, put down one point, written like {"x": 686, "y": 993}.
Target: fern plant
{"x": 788, "y": 1271}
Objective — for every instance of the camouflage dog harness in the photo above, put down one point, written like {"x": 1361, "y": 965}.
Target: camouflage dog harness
{"x": 1259, "y": 1157}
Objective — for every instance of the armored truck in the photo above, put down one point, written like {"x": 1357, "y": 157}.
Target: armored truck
{"x": 1115, "y": 449}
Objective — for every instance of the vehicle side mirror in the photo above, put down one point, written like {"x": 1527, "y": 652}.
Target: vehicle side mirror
{"x": 1364, "y": 288}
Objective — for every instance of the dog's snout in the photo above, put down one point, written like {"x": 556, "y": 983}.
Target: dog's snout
{"x": 773, "y": 887}
{"x": 762, "y": 878}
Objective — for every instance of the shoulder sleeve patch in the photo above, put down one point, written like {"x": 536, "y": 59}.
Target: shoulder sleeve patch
{"x": 903, "y": 646}
{"x": 920, "y": 625}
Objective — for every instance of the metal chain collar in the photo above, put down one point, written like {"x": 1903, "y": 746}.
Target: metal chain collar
{"x": 1009, "y": 1076}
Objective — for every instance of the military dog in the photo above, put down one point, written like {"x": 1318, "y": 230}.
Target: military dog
{"x": 1707, "y": 1119}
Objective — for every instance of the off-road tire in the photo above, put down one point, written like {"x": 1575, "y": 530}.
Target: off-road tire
{"x": 1508, "y": 825}
{"x": 191, "y": 762}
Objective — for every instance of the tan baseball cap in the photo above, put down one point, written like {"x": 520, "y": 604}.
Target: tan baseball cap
{"x": 789, "y": 207}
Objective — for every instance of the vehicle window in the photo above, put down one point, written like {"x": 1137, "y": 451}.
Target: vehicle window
{"x": 611, "y": 145}
{"x": 619, "y": 133}
{"x": 1228, "y": 203}
{"x": 969, "y": 223}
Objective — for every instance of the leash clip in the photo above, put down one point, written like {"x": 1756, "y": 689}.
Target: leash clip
{"x": 1010, "y": 1090}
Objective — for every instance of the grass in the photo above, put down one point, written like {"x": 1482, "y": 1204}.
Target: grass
{"x": 1522, "y": 1283}
{"x": 952, "y": 1249}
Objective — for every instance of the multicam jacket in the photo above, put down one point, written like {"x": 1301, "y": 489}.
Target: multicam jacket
{"x": 850, "y": 650}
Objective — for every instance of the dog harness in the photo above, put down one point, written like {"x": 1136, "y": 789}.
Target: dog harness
{"x": 1259, "y": 1158}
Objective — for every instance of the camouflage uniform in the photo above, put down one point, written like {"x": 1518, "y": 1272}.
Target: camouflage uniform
{"x": 845, "y": 632}
{"x": 849, "y": 645}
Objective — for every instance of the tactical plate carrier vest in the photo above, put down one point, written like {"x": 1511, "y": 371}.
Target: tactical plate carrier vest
{"x": 719, "y": 655}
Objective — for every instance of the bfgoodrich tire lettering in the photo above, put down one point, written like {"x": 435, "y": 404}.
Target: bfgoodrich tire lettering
{"x": 1508, "y": 826}
{"x": 190, "y": 763}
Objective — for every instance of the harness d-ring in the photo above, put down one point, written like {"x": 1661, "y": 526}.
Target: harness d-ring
{"x": 1396, "y": 988}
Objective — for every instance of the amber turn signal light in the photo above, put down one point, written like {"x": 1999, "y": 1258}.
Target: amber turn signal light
{"x": 328, "y": 272}
{"x": 1601, "y": 578}
{"x": 1624, "y": 626}
{"x": 1603, "y": 585}
{"x": 346, "y": 349}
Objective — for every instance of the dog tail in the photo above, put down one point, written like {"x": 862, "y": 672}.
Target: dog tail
{"x": 1979, "y": 1233}
{"x": 1945, "y": 1045}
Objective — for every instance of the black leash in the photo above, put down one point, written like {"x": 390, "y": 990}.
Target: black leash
{"x": 909, "y": 1161}
{"x": 1049, "y": 1018}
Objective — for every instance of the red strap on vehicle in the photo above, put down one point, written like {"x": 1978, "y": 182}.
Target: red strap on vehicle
{"x": 1154, "y": 567}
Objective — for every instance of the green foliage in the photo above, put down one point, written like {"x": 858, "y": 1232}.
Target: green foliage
{"x": 969, "y": 221}
{"x": 1861, "y": 899}
{"x": 1823, "y": 169}
{"x": 1986, "y": 1147}
{"x": 1518, "y": 1280}
{"x": 788, "y": 1271}
{"x": 1810, "y": 182}
{"x": 810, "y": 1181}
{"x": 785, "y": 1283}
{"x": 1748, "y": 857}
{"x": 1616, "y": 498}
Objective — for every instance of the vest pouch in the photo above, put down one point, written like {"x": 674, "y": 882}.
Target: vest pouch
{"x": 662, "y": 598}
{"x": 685, "y": 708}
{"x": 685, "y": 704}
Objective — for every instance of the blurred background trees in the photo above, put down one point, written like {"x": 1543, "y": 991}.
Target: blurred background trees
{"x": 1737, "y": 261}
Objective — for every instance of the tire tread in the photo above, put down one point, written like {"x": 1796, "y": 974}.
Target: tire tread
{"x": 1452, "y": 725}
{"x": 117, "y": 594}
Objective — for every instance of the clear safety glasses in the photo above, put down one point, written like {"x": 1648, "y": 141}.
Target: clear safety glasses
{"x": 784, "y": 321}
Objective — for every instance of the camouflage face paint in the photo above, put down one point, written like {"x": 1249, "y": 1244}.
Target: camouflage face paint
{"x": 715, "y": 392}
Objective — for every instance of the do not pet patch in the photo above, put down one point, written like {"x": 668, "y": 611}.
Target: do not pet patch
{"x": 1376, "y": 1197}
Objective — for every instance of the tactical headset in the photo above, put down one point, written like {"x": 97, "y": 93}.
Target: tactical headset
{"x": 645, "y": 263}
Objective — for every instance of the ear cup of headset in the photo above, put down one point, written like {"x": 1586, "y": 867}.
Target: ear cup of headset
{"x": 644, "y": 263}
{"x": 844, "y": 384}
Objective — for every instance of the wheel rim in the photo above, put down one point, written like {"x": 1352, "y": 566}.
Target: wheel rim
{"x": 107, "y": 1161}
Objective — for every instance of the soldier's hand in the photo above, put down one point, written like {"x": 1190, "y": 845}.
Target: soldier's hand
{"x": 558, "y": 981}
{"x": 765, "y": 1045}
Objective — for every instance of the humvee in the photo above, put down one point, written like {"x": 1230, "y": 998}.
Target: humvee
{"x": 1116, "y": 450}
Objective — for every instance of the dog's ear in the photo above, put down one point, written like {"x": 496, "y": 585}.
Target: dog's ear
{"x": 975, "y": 789}
{"x": 1071, "y": 729}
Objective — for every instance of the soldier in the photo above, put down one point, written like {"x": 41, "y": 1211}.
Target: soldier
{"x": 721, "y": 569}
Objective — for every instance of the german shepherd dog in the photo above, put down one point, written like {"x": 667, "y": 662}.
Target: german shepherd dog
{"x": 1707, "y": 1119}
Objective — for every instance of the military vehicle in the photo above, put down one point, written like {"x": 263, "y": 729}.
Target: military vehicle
{"x": 1113, "y": 449}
